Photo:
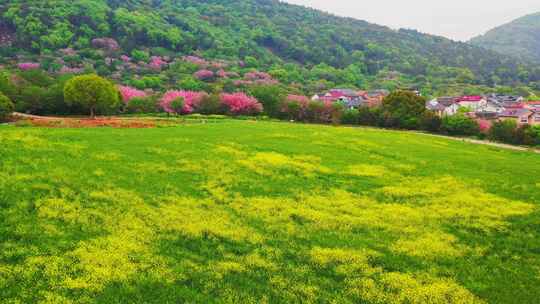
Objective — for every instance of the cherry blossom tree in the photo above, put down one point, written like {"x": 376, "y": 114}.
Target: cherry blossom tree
{"x": 191, "y": 100}
{"x": 128, "y": 93}
{"x": 204, "y": 74}
{"x": 26, "y": 66}
{"x": 241, "y": 104}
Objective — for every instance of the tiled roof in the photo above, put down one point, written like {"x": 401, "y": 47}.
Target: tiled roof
{"x": 470, "y": 98}
{"x": 515, "y": 112}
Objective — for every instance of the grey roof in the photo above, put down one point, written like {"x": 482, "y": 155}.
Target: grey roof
{"x": 378, "y": 93}
{"x": 504, "y": 98}
{"x": 346, "y": 92}
{"x": 515, "y": 112}
{"x": 355, "y": 102}
{"x": 446, "y": 100}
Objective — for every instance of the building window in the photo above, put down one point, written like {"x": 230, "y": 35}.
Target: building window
{"x": 537, "y": 118}
{"x": 524, "y": 119}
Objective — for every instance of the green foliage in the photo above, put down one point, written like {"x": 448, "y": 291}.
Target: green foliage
{"x": 370, "y": 116}
{"x": 403, "y": 109}
{"x": 517, "y": 38}
{"x": 210, "y": 104}
{"x": 142, "y": 105}
{"x": 507, "y": 131}
{"x": 6, "y": 107}
{"x": 271, "y": 97}
{"x": 93, "y": 93}
{"x": 431, "y": 122}
{"x": 504, "y": 131}
{"x": 459, "y": 124}
{"x": 139, "y": 55}
{"x": 350, "y": 117}
{"x": 6, "y": 85}
{"x": 340, "y": 51}
{"x": 177, "y": 105}
{"x": 191, "y": 83}
{"x": 32, "y": 99}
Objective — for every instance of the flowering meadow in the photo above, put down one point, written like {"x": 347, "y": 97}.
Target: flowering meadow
{"x": 264, "y": 212}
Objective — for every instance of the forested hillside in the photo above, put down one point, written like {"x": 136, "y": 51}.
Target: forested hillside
{"x": 262, "y": 34}
{"x": 519, "y": 38}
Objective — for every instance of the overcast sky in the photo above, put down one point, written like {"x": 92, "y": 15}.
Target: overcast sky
{"x": 456, "y": 19}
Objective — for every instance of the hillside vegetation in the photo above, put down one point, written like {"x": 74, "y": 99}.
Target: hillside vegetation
{"x": 258, "y": 212}
{"x": 519, "y": 38}
{"x": 262, "y": 33}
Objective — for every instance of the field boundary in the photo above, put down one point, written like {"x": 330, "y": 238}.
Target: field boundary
{"x": 484, "y": 142}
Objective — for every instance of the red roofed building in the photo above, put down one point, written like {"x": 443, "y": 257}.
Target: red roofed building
{"x": 532, "y": 105}
{"x": 474, "y": 103}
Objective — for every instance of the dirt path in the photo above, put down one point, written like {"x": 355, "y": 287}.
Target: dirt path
{"x": 483, "y": 142}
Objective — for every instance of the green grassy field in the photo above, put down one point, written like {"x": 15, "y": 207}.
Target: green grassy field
{"x": 261, "y": 212}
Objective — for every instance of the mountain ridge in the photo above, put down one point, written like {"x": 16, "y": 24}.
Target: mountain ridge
{"x": 519, "y": 38}
{"x": 272, "y": 31}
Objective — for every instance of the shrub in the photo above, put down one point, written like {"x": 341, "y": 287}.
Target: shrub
{"x": 190, "y": 99}
{"x": 336, "y": 113}
{"x": 459, "y": 124}
{"x": 92, "y": 93}
{"x": 6, "y": 107}
{"x": 204, "y": 75}
{"x": 532, "y": 135}
{"x": 7, "y": 86}
{"x": 369, "y": 116}
{"x": 178, "y": 106}
{"x": 240, "y": 104}
{"x": 431, "y": 122}
{"x": 157, "y": 63}
{"x": 37, "y": 77}
{"x": 350, "y": 117}
{"x": 506, "y": 131}
{"x": 140, "y": 105}
{"x": 32, "y": 99}
{"x": 294, "y": 107}
{"x": 210, "y": 104}
{"x": 270, "y": 96}
{"x": 321, "y": 112}
{"x": 54, "y": 99}
{"x": 190, "y": 83}
{"x": 26, "y": 66}
{"x": 139, "y": 55}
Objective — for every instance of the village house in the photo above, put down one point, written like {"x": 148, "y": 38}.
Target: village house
{"x": 443, "y": 105}
{"x": 349, "y": 98}
{"x": 374, "y": 98}
{"x": 532, "y": 105}
{"x": 521, "y": 116}
{"x": 501, "y": 98}
{"x": 474, "y": 103}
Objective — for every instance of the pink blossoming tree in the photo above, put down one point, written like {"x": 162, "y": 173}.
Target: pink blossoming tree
{"x": 125, "y": 58}
{"x": 106, "y": 43}
{"x": 295, "y": 107}
{"x": 128, "y": 93}
{"x": 241, "y": 104}
{"x": 204, "y": 75}
{"x": 485, "y": 125}
{"x": 191, "y": 100}
{"x": 196, "y": 60}
{"x": 26, "y": 66}
{"x": 157, "y": 63}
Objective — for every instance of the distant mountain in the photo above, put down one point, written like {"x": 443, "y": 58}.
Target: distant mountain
{"x": 271, "y": 31}
{"x": 519, "y": 38}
